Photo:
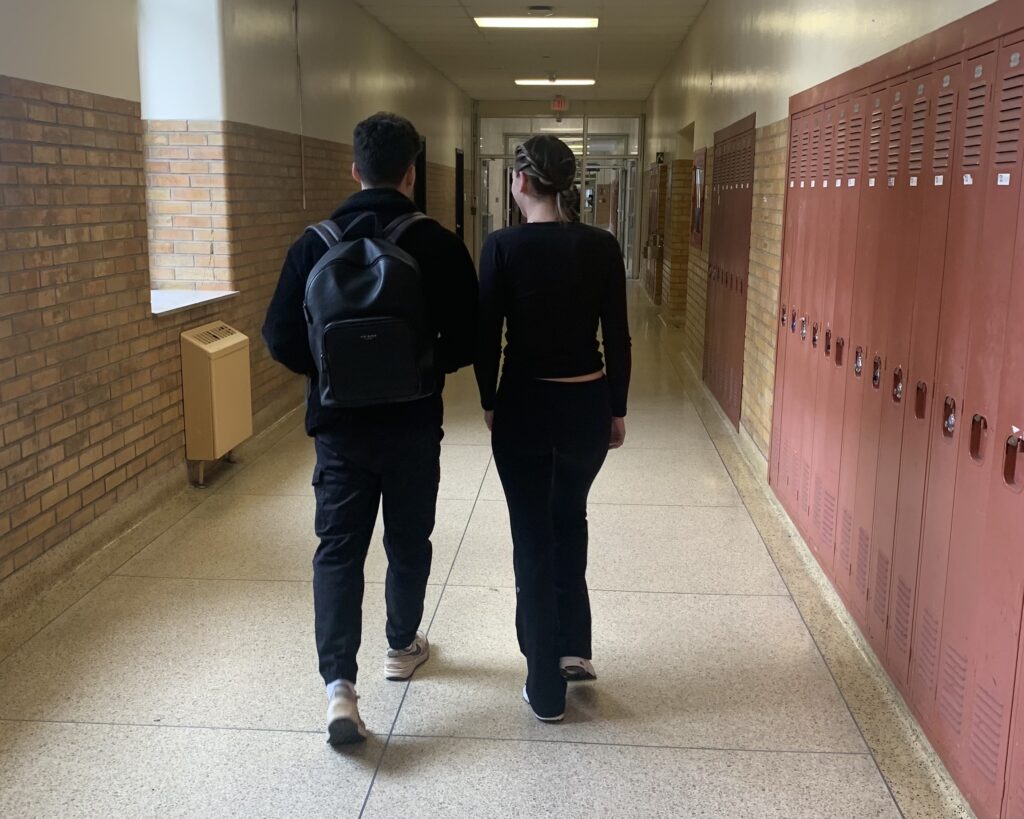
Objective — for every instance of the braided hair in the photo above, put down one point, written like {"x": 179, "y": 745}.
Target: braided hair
{"x": 551, "y": 166}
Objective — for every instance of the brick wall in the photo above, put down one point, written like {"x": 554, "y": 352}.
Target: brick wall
{"x": 697, "y": 281}
{"x": 677, "y": 242}
{"x": 765, "y": 274}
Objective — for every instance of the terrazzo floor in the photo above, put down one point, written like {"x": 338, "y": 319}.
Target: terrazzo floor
{"x": 185, "y": 684}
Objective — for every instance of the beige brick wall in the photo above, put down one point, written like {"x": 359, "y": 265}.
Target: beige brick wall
{"x": 697, "y": 281}
{"x": 677, "y": 242}
{"x": 765, "y": 274}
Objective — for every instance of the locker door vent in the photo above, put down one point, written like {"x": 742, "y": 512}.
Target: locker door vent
{"x": 917, "y": 129}
{"x": 846, "y": 538}
{"x": 901, "y": 614}
{"x": 840, "y": 146}
{"x": 1011, "y": 107}
{"x": 881, "y": 591}
{"x": 805, "y": 153}
{"x": 863, "y": 559}
{"x": 943, "y": 131}
{"x": 974, "y": 135}
{"x": 895, "y": 139}
{"x": 828, "y": 147}
{"x": 816, "y": 150}
{"x": 875, "y": 149}
{"x": 856, "y": 146}
{"x": 986, "y": 734}
{"x": 819, "y": 492}
{"x": 794, "y": 156}
{"x": 828, "y": 519}
{"x": 927, "y": 658}
{"x": 952, "y": 687}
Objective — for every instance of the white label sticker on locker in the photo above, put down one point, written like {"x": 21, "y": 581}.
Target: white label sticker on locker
{"x": 802, "y": 183}
{"x": 792, "y": 184}
{"x": 839, "y": 183}
{"x": 824, "y": 183}
{"x": 968, "y": 179}
{"x": 851, "y": 183}
{"x": 871, "y": 182}
{"x": 814, "y": 183}
{"x": 892, "y": 181}
{"x": 1003, "y": 180}
{"x": 940, "y": 180}
{"x": 913, "y": 181}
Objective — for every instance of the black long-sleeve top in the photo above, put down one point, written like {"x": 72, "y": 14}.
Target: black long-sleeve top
{"x": 450, "y": 285}
{"x": 550, "y": 284}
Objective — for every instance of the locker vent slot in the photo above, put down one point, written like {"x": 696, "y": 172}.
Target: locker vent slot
{"x": 855, "y": 146}
{"x": 794, "y": 154}
{"x": 846, "y": 539}
{"x": 1011, "y": 108}
{"x": 881, "y": 591}
{"x": 816, "y": 151}
{"x": 918, "y": 126}
{"x": 840, "y": 147}
{"x": 819, "y": 493}
{"x": 863, "y": 559}
{"x": 974, "y": 133}
{"x": 827, "y": 152}
{"x": 828, "y": 519}
{"x": 927, "y": 658}
{"x": 943, "y": 131}
{"x": 805, "y": 153}
{"x": 895, "y": 140}
{"x": 986, "y": 734}
{"x": 901, "y": 613}
{"x": 952, "y": 687}
{"x": 875, "y": 149}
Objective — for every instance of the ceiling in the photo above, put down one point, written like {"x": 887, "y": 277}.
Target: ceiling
{"x": 626, "y": 54}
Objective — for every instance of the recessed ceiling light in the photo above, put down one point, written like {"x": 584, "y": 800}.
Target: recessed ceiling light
{"x": 556, "y": 82}
{"x": 537, "y": 22}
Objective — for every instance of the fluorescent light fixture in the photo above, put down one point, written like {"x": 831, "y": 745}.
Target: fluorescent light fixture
{"x": 537, "y": 22}
{"x": 556, "y": 82}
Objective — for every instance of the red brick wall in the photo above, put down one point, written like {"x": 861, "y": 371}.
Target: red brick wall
{"x": 677, "y": 242}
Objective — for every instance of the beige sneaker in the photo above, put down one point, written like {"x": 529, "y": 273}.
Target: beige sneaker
{"x": 402, "y": 662}
{"x": 343, "y": 723}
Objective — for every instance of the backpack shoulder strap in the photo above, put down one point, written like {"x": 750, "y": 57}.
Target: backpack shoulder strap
{"x": 397, "y": 228}
{"x": 328, "y": 231}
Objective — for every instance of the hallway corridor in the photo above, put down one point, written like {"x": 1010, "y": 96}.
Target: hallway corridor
{"x": 184, "y": 683}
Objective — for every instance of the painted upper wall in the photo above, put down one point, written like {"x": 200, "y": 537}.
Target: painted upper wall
{"x": 745, "y": 56}
{"x": 236, "y": 60}
{"x": 88, "y": 45}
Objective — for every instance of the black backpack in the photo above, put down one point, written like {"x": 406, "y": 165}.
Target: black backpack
{"x": 366, "y": 316}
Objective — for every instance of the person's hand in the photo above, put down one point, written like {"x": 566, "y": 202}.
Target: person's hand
{"x": 489, "y": 419}
{"x": 618, "y": 433}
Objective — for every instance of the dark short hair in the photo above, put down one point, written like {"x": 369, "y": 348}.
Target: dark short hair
{"x": 384, "y": 147}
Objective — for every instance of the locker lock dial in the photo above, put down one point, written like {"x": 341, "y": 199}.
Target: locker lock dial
{"x": 949, "y": 414}
{"x": 858, "y": 361}
{"x": 897, "y": 385}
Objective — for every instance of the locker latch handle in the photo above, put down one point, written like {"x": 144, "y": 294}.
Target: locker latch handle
{"x": 876, "y": 373}
{"x": 921, "y": 406}
{"x": 897, "y": 385}
{"x": 792, "y": 325}
{"x": 815, "y": 334}
{"x": 840, "y": 346}
{"x": 949, "y": 415}
{"x": 803, "y": 327}
{"x": 979, "y": 423}
{"x": 858, "y": 361}
{"x": 1014, "y": 448}
{"x": 782, "y": 318}
{"x": 828, "y": 343}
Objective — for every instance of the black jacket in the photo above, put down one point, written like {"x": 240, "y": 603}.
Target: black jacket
{"x": 450, "y": 283}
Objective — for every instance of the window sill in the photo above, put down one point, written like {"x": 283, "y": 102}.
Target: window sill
{"x": 166, "y": 302}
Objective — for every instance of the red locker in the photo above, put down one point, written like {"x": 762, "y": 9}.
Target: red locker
{"x": 852, "y": 555}
{"x": 905, "y": 175}
{"x": 974, "y": 711}
{"x": 943, "y": 88}
{"x": 834, "y": 348}
{"x": 966, "y": 222}
{"x": 886, "y": 310}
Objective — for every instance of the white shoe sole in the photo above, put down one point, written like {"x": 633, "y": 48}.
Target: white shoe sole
{"x": 526, "y": 699}
{"x": 400, "y": 669}
{"x": 345, "y": 731}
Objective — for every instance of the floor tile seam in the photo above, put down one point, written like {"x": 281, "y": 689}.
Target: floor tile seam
{"x": 645, "y": 746}
{"x": 592, "y": 588}
{"x": 94, "y": 586}
{"x": 796, "y": 604}
{"x": 240, "y": 580}
{"x": 157, "y": 725}
{"x": 433, "y": 616}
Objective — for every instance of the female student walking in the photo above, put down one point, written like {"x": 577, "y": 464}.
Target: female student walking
{"x": 551, "y": 283}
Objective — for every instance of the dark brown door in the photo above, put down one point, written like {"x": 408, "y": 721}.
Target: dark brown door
{"x": 732, "y": 200}
{"x": 460, "y": 194}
